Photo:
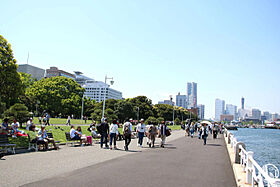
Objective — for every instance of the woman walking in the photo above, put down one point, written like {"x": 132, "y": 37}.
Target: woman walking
{"x": 114, "y": 132}
{"x": 204, "y": 133}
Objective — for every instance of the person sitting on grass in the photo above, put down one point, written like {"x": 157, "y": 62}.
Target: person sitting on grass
{"x": 15, "y": 129}
{"x": 42, "y": 134}
{"x": 83, "y": 136}
{"x": 74, "y": 135}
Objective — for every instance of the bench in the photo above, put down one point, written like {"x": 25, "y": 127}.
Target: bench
{"x": 50, "y": 135}
{"x": 69, "y": 140}
{"x": 4, "y": 142}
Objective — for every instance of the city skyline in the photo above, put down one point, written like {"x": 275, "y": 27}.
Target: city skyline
{"x": 154, "y": 48}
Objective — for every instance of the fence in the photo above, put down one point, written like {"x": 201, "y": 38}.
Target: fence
{"x": 255, "y": 174}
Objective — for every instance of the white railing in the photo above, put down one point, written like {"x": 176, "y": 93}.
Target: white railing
{"x": 255, "y": 175}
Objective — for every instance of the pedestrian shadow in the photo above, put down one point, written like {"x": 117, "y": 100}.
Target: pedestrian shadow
{"x": 131, "y": 151}
{"x": 217, "y": 145}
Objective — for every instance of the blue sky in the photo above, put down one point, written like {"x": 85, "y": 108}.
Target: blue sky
{"x": 153, "y": 48}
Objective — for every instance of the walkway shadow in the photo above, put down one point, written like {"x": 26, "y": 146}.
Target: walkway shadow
{"x": 213, "y": 145}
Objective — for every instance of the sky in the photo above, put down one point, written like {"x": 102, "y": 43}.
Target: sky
{"x": 231, "y": 49}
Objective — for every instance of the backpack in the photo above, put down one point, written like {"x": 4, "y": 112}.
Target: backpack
{"x": 126, "y": 131}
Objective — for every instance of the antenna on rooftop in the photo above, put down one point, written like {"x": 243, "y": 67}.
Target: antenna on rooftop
{"x": 27, "y": 57}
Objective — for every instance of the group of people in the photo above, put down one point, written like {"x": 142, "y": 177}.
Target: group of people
{"x": 12, "y": 130}
{"x": 45, "y": 119}
{"x": 203, "y": 130}
{"x": 111, "y": 131}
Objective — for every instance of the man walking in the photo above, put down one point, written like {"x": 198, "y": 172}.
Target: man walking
{"x": 104, "y": 131}
{"x": 163, "y": 129}
{"x": 141, "y": 130}
{"x": 127, "y": 129}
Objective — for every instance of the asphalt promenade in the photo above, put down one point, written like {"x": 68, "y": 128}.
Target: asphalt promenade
{"x": 184, "y": 161}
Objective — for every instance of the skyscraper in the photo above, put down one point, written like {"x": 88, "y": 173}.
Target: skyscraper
{"x": 192, "y": 95}
{"x": 181, "y": 100}
{"x": 242, "y": 102}
{"x": 219, "y": 109}
{"x": 201, "y": 111}
{"x": 231, "y": 110}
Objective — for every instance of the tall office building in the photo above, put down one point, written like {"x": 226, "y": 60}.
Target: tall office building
{"x": 219, "y": 109}
{"x": 242, "y": 103}
{"x": 181, "y": 100}
{"x": 35, "y": 72}
{"x": 192, "y": 95}
{"x": 231, "y": 110}
{"x": 201, "y": 111}
{"x": 256, "y": 114}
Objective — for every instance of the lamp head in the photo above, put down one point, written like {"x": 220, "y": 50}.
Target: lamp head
{"x": 112, "y": 82}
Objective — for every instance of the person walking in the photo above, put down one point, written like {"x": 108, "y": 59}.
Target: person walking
{"x": 192, "y": 129}
{"x": 163, "y": 130}
{"x": 48, "y": 119}
{"x": 204, "y": 133}
{"x": 215, "y": 130}
{"x": 147, "y": 132}
{"x": 153, "y": 131}
{"x": 104, "y": 131}
{"x": 127, "y": 129}
{"x": 114, "y": 132}
{"x": 68, "y": 121}
{"x": 141, "y": 131}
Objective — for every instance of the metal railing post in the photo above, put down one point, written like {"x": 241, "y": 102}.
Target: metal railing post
{"x": 249, "y": 168}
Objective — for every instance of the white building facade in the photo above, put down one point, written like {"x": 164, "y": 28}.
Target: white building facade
{"x": 231, "y": 110}
{"x": 219, "y": 109}
{"x": 97, "y": 90}
{"x": 181, "y": 100}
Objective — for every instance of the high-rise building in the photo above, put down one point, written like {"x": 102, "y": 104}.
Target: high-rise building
{"x": 219, "y": 109}
{"x": 275, "y": 117}
{"x": 191, "y": 95}
{"x": 55, "y": 72}
{"x": 267, "y": 115}
{"x": 181, "y": 100}
{"x": 201, "y": 111}
{"x": 256, "y": 114}
{"x": 242, "y": 103}
{"x": 231, "y": 110}
{"x": 35, "y": 72}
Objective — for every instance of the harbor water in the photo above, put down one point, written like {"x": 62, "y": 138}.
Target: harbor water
{"x": 265, "y": 143}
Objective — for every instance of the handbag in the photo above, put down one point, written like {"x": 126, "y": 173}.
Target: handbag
{"x": 167, "y": 133}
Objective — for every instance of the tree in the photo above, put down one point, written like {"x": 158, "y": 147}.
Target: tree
{"x": 124, "y": 109}
{"x": 2, "y": 108}
{"x": 144, "y": 104}
{"x": 18, "y": 112}
{"x": 151, "y": 119}
{"x": 10, "y": 83}
{"x": 177, "y": 121}
{"x": 57, "y": 95}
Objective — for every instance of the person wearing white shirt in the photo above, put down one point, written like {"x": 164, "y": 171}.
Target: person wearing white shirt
{"x": 141, "y": 130}
{"x": 127, "y": 129}
{"x": 29, "y": 123}
{"x": 114, "y": 132}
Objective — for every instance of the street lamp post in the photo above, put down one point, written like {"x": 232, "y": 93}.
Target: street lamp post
{"x": 82, "y": 112}
{"x": 104, "y": 93}
{"x": 172, "y": 106}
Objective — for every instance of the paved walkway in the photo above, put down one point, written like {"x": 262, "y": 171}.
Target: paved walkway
{"x": 184, "y": 162}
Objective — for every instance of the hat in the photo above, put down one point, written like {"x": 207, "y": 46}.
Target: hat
{"x": 142, "y": 119}
{"x": 43, "y": 126}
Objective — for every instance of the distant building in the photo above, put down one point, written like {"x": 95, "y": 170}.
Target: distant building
{"x": 168, "y": 102}
{"x": 256, "y": 114}
{"x": 192, "y": 95}
{"x": 35, "y": 72}
{"x": 231, "y": 110}
{"x": 243, "y": 114}
{"x": 275, "y": 117}
{"x": 55, "y": 72}
{"x": 267, "y": 115}
{"x": 226, "y": 117}
{"x": 219, "y": 109}
{"x": 97, "y": 90}
{"x": 81, "y": 79}
{"x": 201, "y": 111}
{"x": 181, "y": 100}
